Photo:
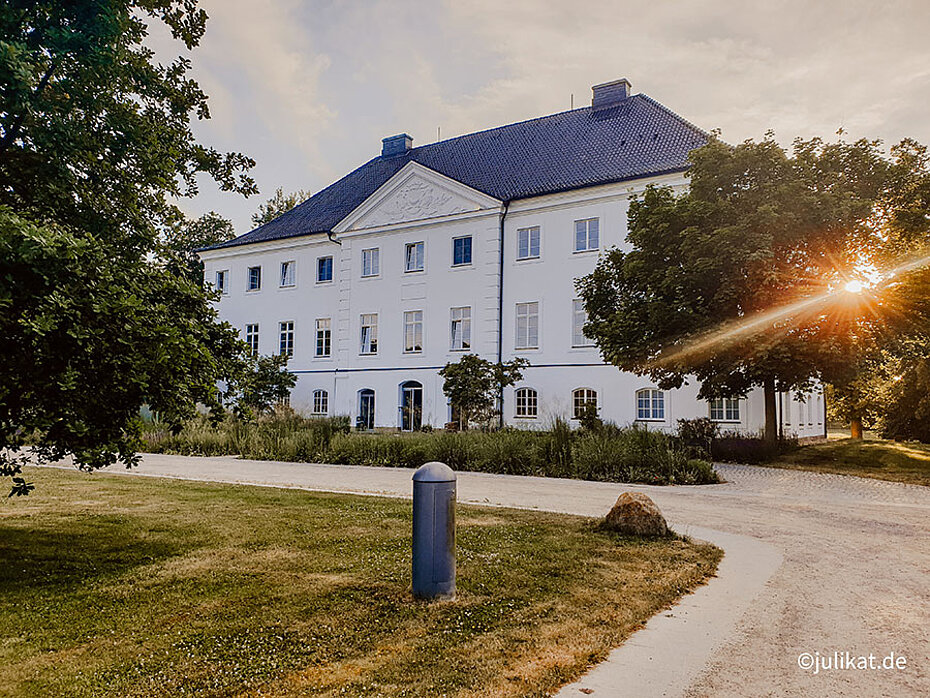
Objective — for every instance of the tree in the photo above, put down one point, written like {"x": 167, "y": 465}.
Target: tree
{"x": 95, "y": 148}
{"x": 278, "y": 204}
{"x": 474, "y": 385}
{"x": 184, "y": 236}
{"x": 739, "y": 282}
{"x": 264, "y": 384}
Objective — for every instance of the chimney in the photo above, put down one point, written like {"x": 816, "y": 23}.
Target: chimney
{"x": 395, "y": 145}
{"x": 609, "y": 94}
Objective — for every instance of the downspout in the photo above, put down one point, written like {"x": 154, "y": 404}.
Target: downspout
{"x": 334, "y": 401}
{"x": 500, "y": 312}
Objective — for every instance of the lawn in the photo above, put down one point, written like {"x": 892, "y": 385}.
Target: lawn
{"x": 877, "y": 458}
{"x": 123, "y": 586}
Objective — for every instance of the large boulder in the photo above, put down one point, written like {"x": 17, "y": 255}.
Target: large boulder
{"x": 636, "y": 514}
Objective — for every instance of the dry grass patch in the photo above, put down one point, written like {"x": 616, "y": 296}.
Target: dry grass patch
{"x": 875, "y": 458}
{"x": 162, "y": 587}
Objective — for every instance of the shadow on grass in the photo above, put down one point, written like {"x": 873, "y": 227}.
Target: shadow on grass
{"x": 71, "y": 554}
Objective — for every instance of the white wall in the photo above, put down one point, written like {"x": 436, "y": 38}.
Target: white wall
{"x": 557, "y": 367}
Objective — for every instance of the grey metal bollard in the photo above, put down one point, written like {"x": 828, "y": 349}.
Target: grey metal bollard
{"x": 434, "y": 532}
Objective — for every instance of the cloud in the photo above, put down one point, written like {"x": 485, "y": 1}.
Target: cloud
{"x": 309, "y": 89}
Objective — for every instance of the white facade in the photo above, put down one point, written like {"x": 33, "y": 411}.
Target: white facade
{"x": 415, "y": 296}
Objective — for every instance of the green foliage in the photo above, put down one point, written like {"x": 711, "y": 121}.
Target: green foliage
{"x": 473, "y": 386}
{"x": 759, "y": 230}
{"x": 87, "y": 340}
{"x": 100, "y": 308}
{"x": 184, "y": 236}
{"x": 609, "y": 453}
{"x": 906, "y": 414}
{"x": 697, "y": 435}
{"x": 278, "y": 204}
{"x": 265, "y": 383}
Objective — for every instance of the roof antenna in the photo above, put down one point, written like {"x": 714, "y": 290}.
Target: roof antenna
{"x": 439, "y": 133}
{"x": 573, "y": 100}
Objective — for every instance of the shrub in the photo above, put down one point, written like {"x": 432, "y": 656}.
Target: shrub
{"x": 732, "y": 447}
{"x": 697, "y": 435}
{"x": 603, "y": 452}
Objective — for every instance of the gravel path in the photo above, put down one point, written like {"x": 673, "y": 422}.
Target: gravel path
{"x": 854, "y": 576}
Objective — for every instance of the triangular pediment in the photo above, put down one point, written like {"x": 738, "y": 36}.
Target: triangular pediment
{"x": 415, "y": 193}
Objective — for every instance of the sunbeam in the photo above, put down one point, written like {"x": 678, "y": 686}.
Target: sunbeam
{"x": 852, "y": 296}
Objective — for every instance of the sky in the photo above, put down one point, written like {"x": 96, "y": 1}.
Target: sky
{"x": 309, "y": 88}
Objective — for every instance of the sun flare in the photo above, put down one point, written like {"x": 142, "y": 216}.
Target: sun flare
{"x": 854, "y": 286}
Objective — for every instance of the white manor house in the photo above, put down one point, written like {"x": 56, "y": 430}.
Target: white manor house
{"x": 471, "y": 244}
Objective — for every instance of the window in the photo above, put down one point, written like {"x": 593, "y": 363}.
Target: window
{"x": 579, "y": 318}
{"x": 527, "y": 403}
{"x": 414, "y": 257}
{"x": 587, "y": 235}
{"x": 369, "y": 336}
{"x": 288, "y": 274}
{"x": 650, "y": 404}
{"x": 582, "y": 400}
{"x": 810, "y": 409}
{"x": 255, "y": 279}
{"x": 324, "y": 269}
{"x": 461, "y": 251}
{"x": 528, "y": 243}
{"x": 320, "y": 402}
{"x": 413, "y": 331}
{"x": 527, "y": 326}
{"x": 724, "y": 409}
{"x": 251, "y": 338}
{"x": 222, "y": 281}
{"x": 371, "y": 262}
{"x": 461, "y": 329}
{"x": 324, "y": 337}
{"x": 287, "y": 338}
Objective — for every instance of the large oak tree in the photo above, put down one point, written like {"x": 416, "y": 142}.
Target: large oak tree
{"x": 96, "y": 315}
{"x": 739, "y": 281}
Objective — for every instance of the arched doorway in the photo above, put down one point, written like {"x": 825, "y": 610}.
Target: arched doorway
{"x": 411, "y": 406}
{"x": 366, "y": 409}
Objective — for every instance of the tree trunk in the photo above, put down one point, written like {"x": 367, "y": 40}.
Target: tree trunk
{"x": 771, "y": 415}
{"x": 855, "y": 427}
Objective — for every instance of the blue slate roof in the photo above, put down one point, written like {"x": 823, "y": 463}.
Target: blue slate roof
{"x": 579, "y": 148}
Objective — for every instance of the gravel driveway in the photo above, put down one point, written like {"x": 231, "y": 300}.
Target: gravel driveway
{"x": 855, "y": 572}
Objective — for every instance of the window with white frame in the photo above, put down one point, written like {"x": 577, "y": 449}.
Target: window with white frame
{"x": 650, "y": 404}
{"x": 724, "y": 409}
{"x": 810, "y": 408}
{"x": 415, "y": 256}
{"x": 528, "y": 243}
{"x": 583, "y": 399}
{"x": 413, "y": 331}
{"x": 368, "y": 340}
{"x": 324, "y": 270}
{"x": 254, "y": 282}
{"x": 320, "y": 402}
{"x": 587, "y": 234}
{"x": 371, "y": 262}
{"x": 324, "y": 337}
{"x": 460, "y": 339}
{"x": 288, "y": 274}
{"x": 579, "y": 318}
{"x": 461, "y": 251}
{"x": 527, "y": 326}
{"x": 222, "y": 281}
{"x": 251, "y": 338}
{"x": 286, "y": 344}
{"x": 527, "y": 403}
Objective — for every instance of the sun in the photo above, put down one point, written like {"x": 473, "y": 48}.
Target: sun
{"x": 854, "y": 286}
